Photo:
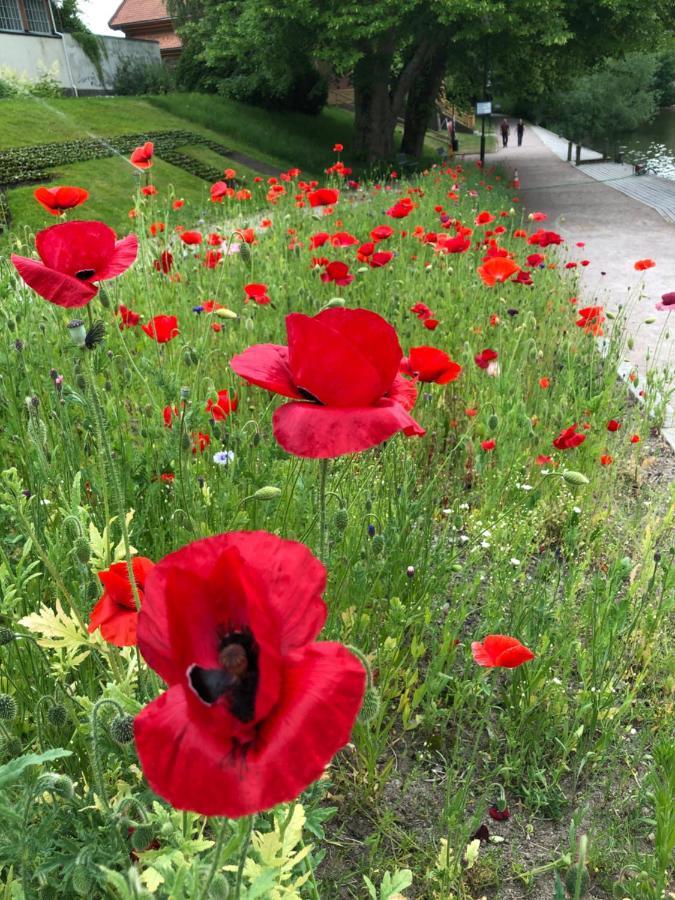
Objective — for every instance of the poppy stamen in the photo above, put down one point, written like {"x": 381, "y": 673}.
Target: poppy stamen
{"x": 84, "y": 274}
{"x": 236, "y": 678}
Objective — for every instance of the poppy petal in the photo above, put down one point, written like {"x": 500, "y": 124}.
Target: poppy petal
{"x": 117, "y": 625}
{"x": 514, "y": 656}
{"x": 123, "y": 257}
{"x": 189, "y": 761}
{"x": 76, "y": 246}
{"x": 58, "y": 288}
{"x": 266, "y": 365}
{"x": 323, "y": 432}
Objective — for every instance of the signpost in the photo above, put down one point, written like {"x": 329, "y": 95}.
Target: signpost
{"x": 483, "y": 109}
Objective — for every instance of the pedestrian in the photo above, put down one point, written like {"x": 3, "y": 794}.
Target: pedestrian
{"x": 505, "y": 128}
{"x": 520, "y": 128}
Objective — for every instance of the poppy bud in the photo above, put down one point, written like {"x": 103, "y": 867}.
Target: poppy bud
{"x": 185, "y": 441}
{"x": 56, "y": 784}
{"x": 219, "y": 889}
{"x": 249, "y": 324}
{"x": 378, "y": 544}
{"x": 10, "y": 748}
{"x": 142, "y": 837}
{"x": 77, "y": 332}
{"x": 7, "y": 707}
{"x": 82, "y": 550}
{"x": 649, "y": 321}
{"x": 82, "y": 880}
{"x": 493, "y": 422}
{"x": 187, "y": 357}
{"x": 107, "y": 386}
{"x": 122, "y": 729}
{"x": 225, "y": 313}
{"x": 11, "y": 325}
{"x": 81, "y": 382}
{"x": 334, "y": 301}
{"x": 57, "y": 715}
{"x": 93, "y": 589}
{"x": 269, "y": 492}
{"x": 341, "y": 519}
{"x": 245, "y": 253}
{"x": 577, "y": 881}
{"x": 371, "y": 705}
{"x": 6, "y": 636}
{"x": 105, "y": 300}
{"x": 630, "y": 343}
{"x": 369, "y": 505}
{"x": 575, "y": 478}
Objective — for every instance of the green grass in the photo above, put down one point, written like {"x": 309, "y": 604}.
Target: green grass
{"x": 430, "y": 543}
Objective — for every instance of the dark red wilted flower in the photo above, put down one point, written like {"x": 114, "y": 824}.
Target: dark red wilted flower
{"x": 428, "y": 364}
{"x": 613, "y": 425}
{"x": 257, "y": 293}
{"x": 142, "y": 156}
{"x": 667, "y": 302}
{"x": 164, "y": 263}
{"x": 323, "y": 197}
{"x": 338, "y": 272}
{"x": 340, "y": 369}
{"x": 255, "y": 708}
{"x": 57, "y": 200}
{"x": 115, "y": 613}
{"x": 75, "y": 255}
{"x": 500, "y": 651}
{"x": 499, "y": 815}
{"x": 569, "y": 438}
{"x": 221, "y": 408}
{"x": 128, "y": 318}
{"x": 162, "y": 328}
{"x": 485, "y": 357}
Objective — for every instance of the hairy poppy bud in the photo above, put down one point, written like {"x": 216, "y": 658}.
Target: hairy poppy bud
{"x": 185, "y": 441}
{"x": 335, "y": 301}
{"x": 575, "y": 478}
{"x": 56, "y": 784}
{"x": 122, "y": 729}
{"x": 142, "y": 837}
{"x": 6, "y": 636}
{"x": 57, "y": 715}
{"x": 378, "y": 544}
{"x": 93, "y": 590}
{"x": 493, "y": 422}
{"x": 82, "y": 880}
{"x": 219, "y": 889}
{"x": 371, "y": 705}
{"x": 82, "y": 550}
{"x": 245, "y": 253}
{"x": 269, "y": 492}
{"x": 10, "y": 748}
{"x": 225, "y": 313}
{"x": 7, "y": 707}
{"x": 11, "y": 325}
{"x": 341, "y": 519}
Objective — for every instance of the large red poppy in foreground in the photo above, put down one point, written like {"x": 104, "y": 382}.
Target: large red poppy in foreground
{"x": 255, "y": 708}
{"x": 340, "y": 368}
{"x": 74, "y": 256}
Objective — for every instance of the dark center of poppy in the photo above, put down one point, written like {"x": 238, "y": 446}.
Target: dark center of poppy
{"x": 84, "y": 274}
{"x": 235, "y": 678}
{"x": 308, "y": 396}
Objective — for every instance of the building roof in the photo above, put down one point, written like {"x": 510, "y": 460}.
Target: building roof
{"x": 168, "y": 40}
{"x": 135, "y": 12}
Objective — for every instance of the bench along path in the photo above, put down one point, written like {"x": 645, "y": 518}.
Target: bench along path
{"x": 618, "y": 228}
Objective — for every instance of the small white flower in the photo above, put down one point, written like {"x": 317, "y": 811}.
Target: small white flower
{"x": 514, "y": 561}
{"x": 485, "y": 545}
{"x": 525, "y": 487}
{"x": 463, "y": 505}
{"x": 223, "y": 457}
{"x": 464, "y": 538}
{"x": 577, "y": 510}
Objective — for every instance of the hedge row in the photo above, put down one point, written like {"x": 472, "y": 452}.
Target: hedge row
{"x": 26, "y": 165}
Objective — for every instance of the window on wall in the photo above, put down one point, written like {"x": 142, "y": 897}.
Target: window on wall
{"x": 10, "y": 18}
{"x": 38, "y": 16}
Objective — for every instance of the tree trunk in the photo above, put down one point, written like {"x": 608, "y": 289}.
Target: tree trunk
{"x": 374, "y": 119}
{"x": 420, "y": 103}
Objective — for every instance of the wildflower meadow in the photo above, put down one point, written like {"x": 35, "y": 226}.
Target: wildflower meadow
{"x": 335, "y": 560}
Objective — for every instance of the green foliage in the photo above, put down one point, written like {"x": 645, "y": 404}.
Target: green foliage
{"x": 135, "y": 77}
{"x": 14, "y": 84}
{"x": 68, "y": 19}
{"x": 618, "y": 96}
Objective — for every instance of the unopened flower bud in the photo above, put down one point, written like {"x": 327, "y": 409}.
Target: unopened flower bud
{"x": 142, "y": 837}
{"x": 7, "y": 707}
{"x": 493, "y": 422}
{"x": 122, "y": 729}
{"x": 57, "y": 715}
{"x": 371, "y": 705}
{"x": 82, "y": 550}
{"x": 6, "y": 636}
{"x": 378, "y": 544}
{"x": 341, "y": 519}
{"x": 410, "y": 571}
{"x": 575, "y": 478}
{"x": 269, "y": 492}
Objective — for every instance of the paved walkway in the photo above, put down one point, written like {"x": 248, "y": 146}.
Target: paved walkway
{"x": 617, "y": 230}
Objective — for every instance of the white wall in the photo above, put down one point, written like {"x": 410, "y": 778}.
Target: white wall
{"x": 32, "y": 55}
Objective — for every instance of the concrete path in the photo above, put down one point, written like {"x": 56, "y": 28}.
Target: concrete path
{"x": 617, "y": 231}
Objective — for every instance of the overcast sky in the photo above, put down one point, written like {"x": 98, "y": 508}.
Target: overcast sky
{"x": 96, "y": 14}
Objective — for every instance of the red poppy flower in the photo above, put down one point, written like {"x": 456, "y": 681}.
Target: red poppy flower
{"x": 401, "y": 208}
{"x": 168, "y": 414}
{"x": 421, "y": 310}
{"x": 535, "y": 259}
{"x": 667, "y": 302}
{"x": 497, "y": 269}
{"x": 142, "y": 156}
{"x": 323, "y": 197}
{"x": 200, "y": 442}
{"x": 544, "y": 238}
{"x": 485, "y": 357}
{"x": 128, "y": 318}
{"x": 488, "y": 445}
{"x": 537, "y": 217}
{"x": 338, "y": 148}
{"x": 543, "y": 460}
{"x": 498, "y": 651}
{"x": 191, "y": 237}
{"x": 338, "y": 272}
{"x": 343, "y": 363}
{"x": 57, "y": 200}
{"x": 381, "y": 232}
{"x": 212, "y": 258}
{"x": 523, "y": 277}
{"x": 457, "y": 244}
{"x": 256, "y": 708}
{"x": 591, "y": 319}
{"x": 428, "y": 364}
{"x": 569, "y": 438}
{"x": 430, "y": 324}
{"x": 257, "y": 293}
{"x": 606, "y": 459}
{"x": 343, "y": 239}
{"x": 318, "y": 240}
{"x": 613, "y": 425}
{"x": 643, "y": 264}
{"x": 544, "y": 383}
{"x": 149, "y": 190}
{"x": 115, "y": 613}
{"x": 635, "y": 439}
{"x": 75, "y": 255}
{"x": 221, "y": 408}
{"x": 220, "y": 190}
{"x": 178, "y": 204}
{"x": 164, "y": 263}
{"x": 380, "y": 258}
{"x": 484, "y": 218}
{"x": 157, "y": 228}
{"x": 162, "y": 328}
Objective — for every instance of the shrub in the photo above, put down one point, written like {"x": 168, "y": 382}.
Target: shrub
{"x": 134, "y": 77}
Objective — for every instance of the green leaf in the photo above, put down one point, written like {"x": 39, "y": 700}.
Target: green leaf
{"x": 12, "y": 771}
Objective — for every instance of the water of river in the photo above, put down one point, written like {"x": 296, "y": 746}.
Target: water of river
{"x": 653, "y": 144}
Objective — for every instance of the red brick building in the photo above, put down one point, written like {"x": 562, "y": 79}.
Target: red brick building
{"x": 148, "y": 20}
{"x": 26, "y": 16}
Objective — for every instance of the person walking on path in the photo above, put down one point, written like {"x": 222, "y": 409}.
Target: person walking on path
{"x": 520, "y": 130}
{"x": 505, "y": 128}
